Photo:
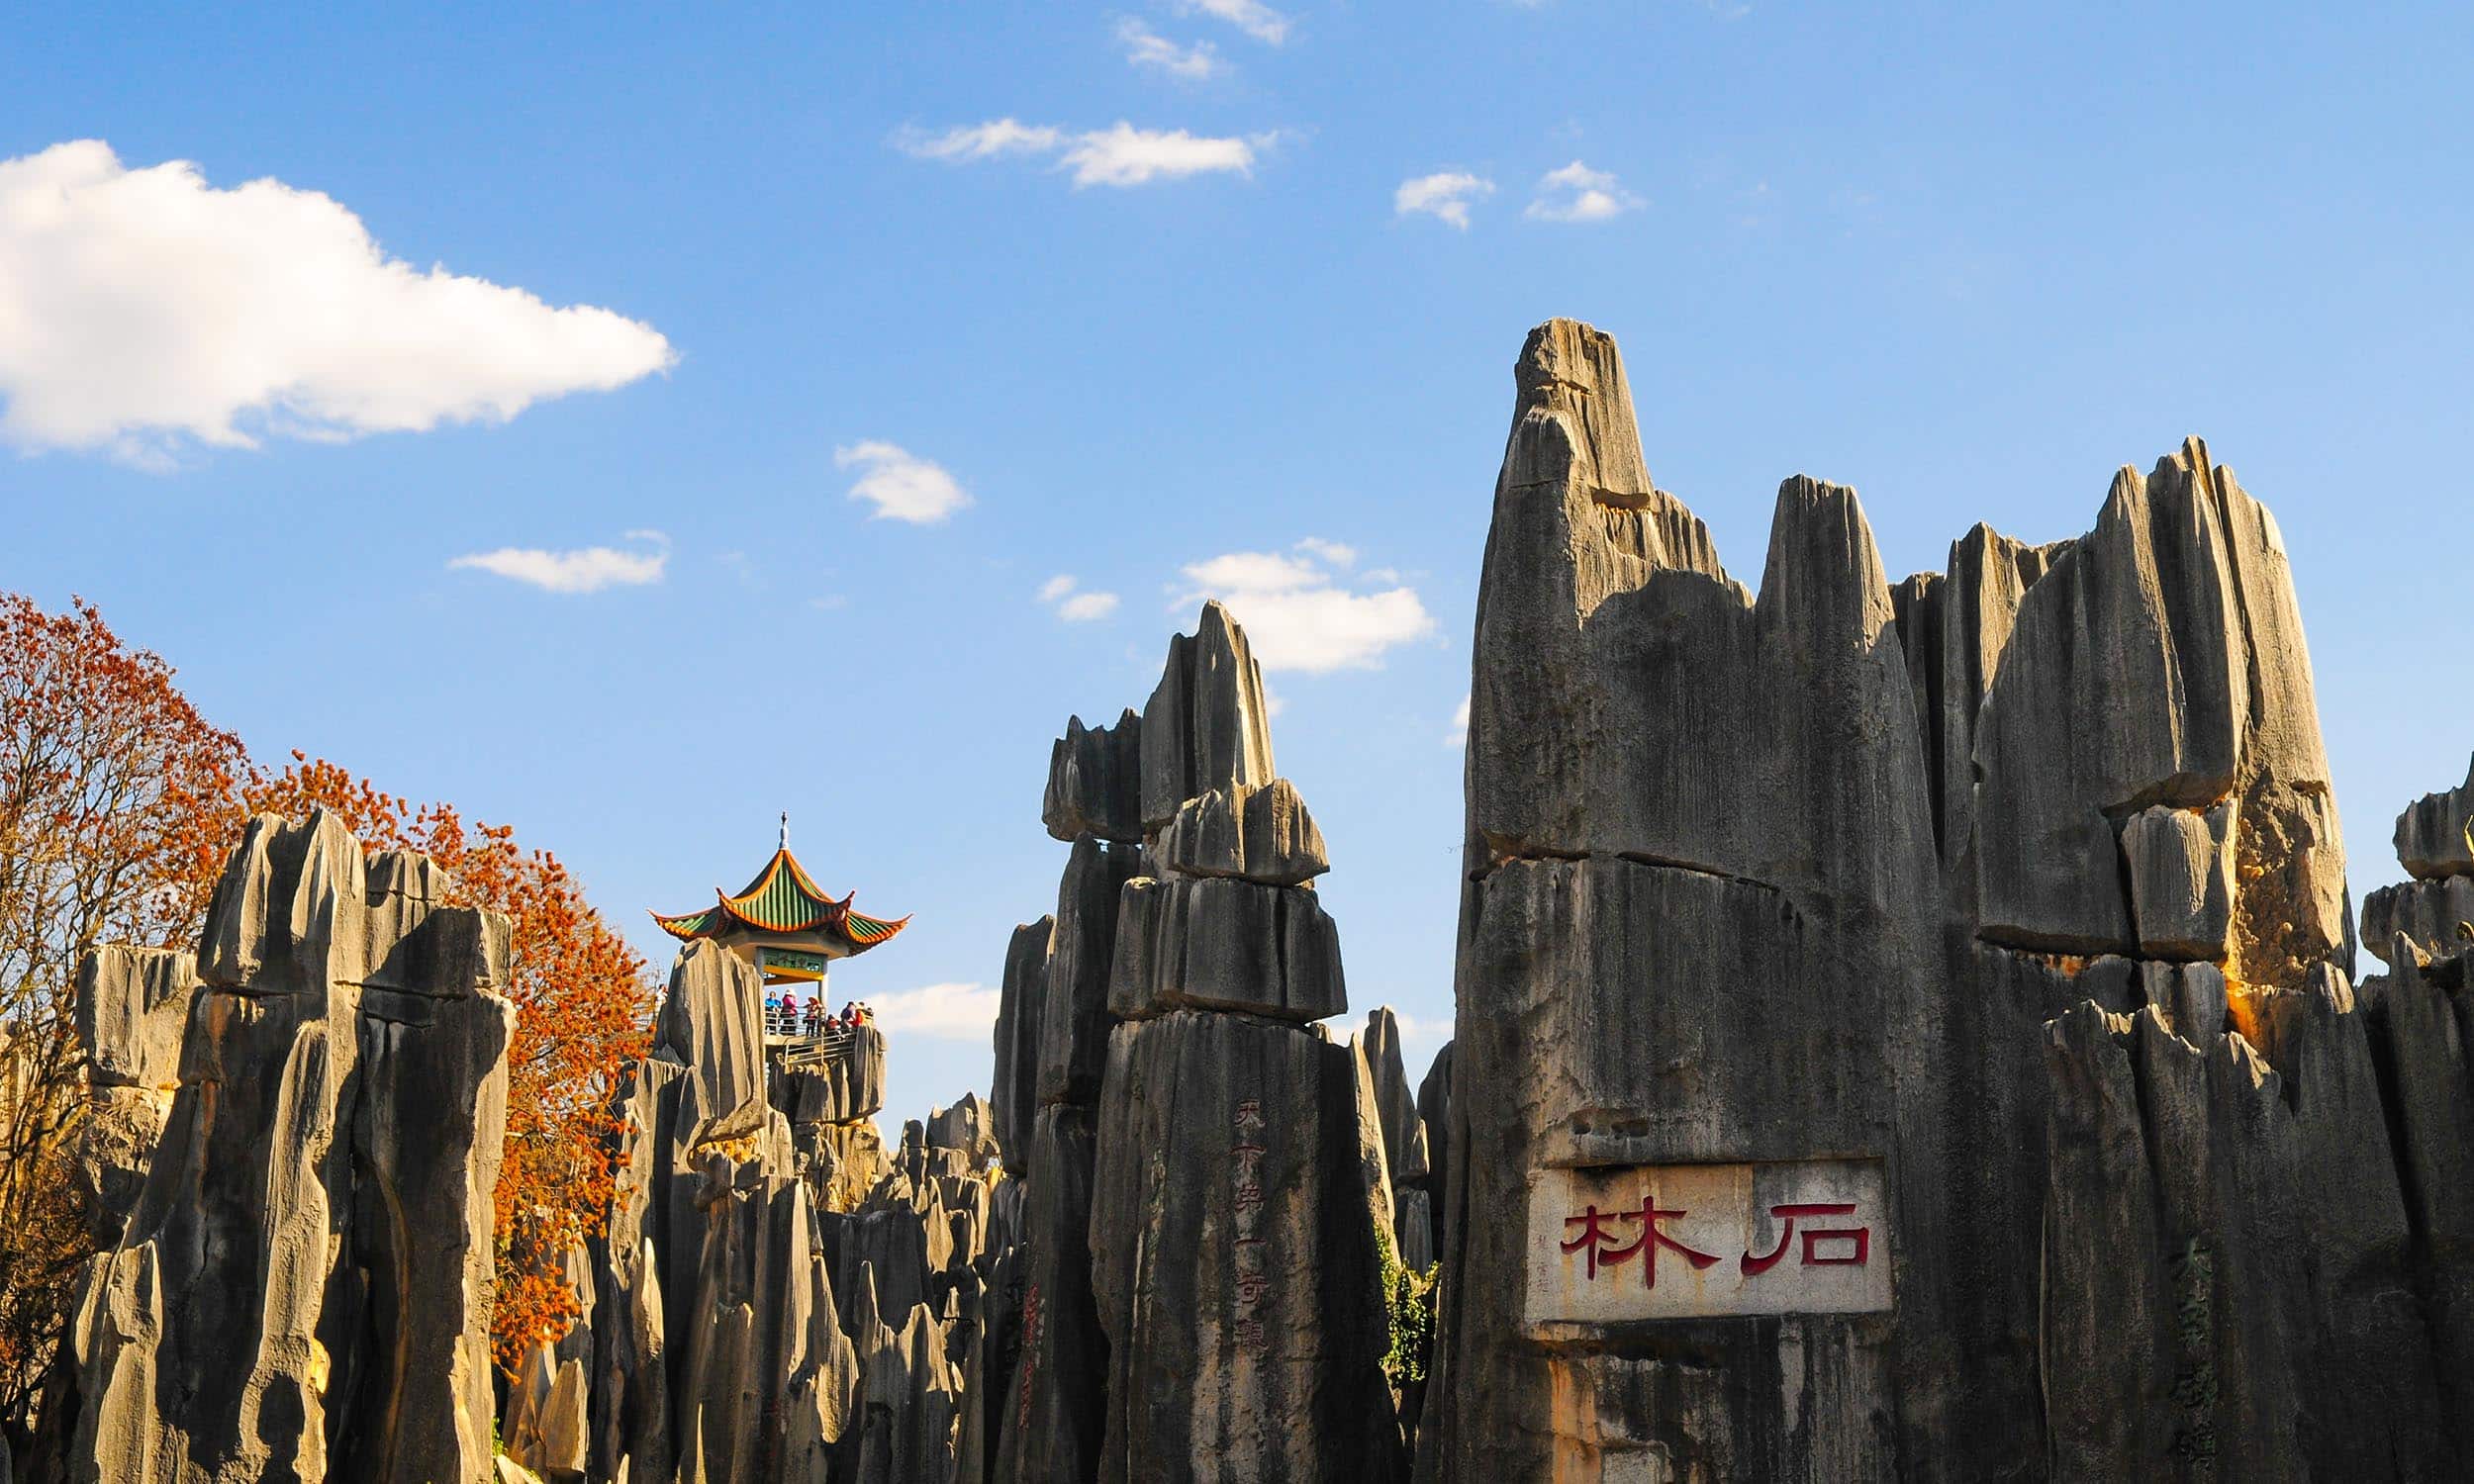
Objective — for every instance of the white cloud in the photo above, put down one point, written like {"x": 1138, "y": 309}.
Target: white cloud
{"x": 940, "y": 1012}
{"x": 1123, "y": 155}
{"x": 1422, "y": 1030}
{"x": 998, "y": 136}
{"x": 1076, "y": 608}
{"x": 145, "y": 310}
{"x": 1458, "y": 734}
{"x": 1576, "y": 193}
{"x": 1299, "y": 615}
{"x": 1118, "y": 155}
{"x": 1145, "y": 47}
{"x": 901, "y": 485}
{"x": 1445, "y": 196}
{"x": 587, "y": 570}
{"x": 1338, "y": 554}
{"x": 1252, "y": 17}
{"x": 1254, "y": 571}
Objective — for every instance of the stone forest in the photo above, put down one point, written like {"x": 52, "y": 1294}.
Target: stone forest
{"x": 1905, "y": 1030}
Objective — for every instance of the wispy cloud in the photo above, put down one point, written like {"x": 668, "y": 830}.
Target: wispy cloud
{"x": 1445, "y": 196}
{"x": 901, "y": 485}
{"x": 1145, "y": 47}
{"x": 1118, "y": 155}
{"x": 1337, "y": 553}
{"x": 1252, "y": 17}
{"x": 1576, "y": 193}
{"x": 145, "y": 312}
{"x": 1074, "y": 607}
{"x": 940, "y": 1012}
{"x": 583, "y": 570}
{"x": 1456, "y": 735}
{"x": 990, "y": 140}
{"x": 1300, "y": 612}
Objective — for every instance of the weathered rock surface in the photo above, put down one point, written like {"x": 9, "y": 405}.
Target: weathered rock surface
{"x": 1404, "y": 1134}
{"x": 1206, "y": 725}
{"x": 1211, "y": 943}
{"x": 968, "y": 1128}
{"x": 1094, "y": 783}
{"x": 1049, "y": 1424}
{"x": 844, "y": 1089}
{"x": 1074, "y": 1005}
{"x": 711, "y": 1023}
{"x": 2179, "y": 864}
{"x": 2225, "y": 1268}
{"x": 2435, "y": 833}
{"x": 2426, "y": 914}
{"x": 1204, "y": 931}
{"x": 300, "y": 1290}
{"x": 1801, "y": 879}
{"x": 1021, "y": 1000}
{"x": 1237, "y": 1141}
{"x": 133, "y": 1006}
{"x": 1262, "y": 835}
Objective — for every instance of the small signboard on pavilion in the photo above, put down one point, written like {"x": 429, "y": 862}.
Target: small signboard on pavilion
{"x": 1621, "y": 1243}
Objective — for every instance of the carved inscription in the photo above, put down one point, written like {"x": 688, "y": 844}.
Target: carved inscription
{"x": 1625, "y": 1243}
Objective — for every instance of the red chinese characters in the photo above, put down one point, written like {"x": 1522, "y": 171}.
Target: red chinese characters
{"x": 1839, "y": 1257}
{"x": 1600, "y": 1237}
{"x": 1597, "y": 1240}
{"x": 1246, "y": 1200}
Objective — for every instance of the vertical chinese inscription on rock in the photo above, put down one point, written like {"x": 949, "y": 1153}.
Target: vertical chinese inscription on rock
{"x": 1245, "y": 1207}
{"x": 1636, "y": 1242}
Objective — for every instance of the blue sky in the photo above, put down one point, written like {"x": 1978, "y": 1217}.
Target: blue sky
{"x": 1118, "y": 294}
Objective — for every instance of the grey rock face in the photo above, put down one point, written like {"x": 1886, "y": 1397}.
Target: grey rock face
{"x": 2426, "y": 914}
{"x": 2435, "y": 834}
{"x": 1260, "y": 835}
{"x": 1074, "y": 1008}
{"x": 2180, "y": 869}
{"x": 967, "y": 1128}
{"x": 2198, "y": 1314}
{"x": 132, "y": 1004}
{"x": 301, "y": 1289}
{"x": 1213, "y": 942}
{"x": 1022, "y": 998}
{"x": 2174, "y": 621}
{"x": 712, "y": 1020}
{"x": 848, "y": 1089}
{"x": 1205, "y": 726}
{"x": 1404, "y": 1134}
{"x": 1218, "y": 1125}
{"x": 1049, "y": 1424}
{"x": 1803, "y": 878}
{"x": 1207, "y": 922}
{"x": 1094, "y": 783}
{"x": 132, "y": 1007}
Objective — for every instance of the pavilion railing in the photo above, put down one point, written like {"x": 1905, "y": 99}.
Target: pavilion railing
{"x": 807, "y": 1051}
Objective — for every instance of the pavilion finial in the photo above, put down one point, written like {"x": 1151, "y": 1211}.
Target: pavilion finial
{"x": 786, "y": 829}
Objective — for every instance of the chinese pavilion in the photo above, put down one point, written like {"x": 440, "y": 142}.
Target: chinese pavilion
{"x": 783, "y": 924}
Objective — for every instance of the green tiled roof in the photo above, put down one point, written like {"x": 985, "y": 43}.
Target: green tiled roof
{"x": 782, "y": 899}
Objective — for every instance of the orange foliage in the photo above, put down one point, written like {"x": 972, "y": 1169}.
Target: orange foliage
{"x": 582, "y": 998}
{"x": 117, "y": 805}
{"x": 117, "y": 801}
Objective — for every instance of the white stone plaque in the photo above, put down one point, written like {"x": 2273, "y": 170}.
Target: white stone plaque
{"x": 1623, "y": 1243}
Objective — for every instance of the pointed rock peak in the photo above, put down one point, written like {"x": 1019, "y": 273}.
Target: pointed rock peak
{"x": 1572, "y": 371}
{"x": 1822, "y": 556}
{"x": 1206, "y": 725}
{"x": 2191, "y": 459}
{"x": 276, "y": 916}
{"x": 2435, "y": 835}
